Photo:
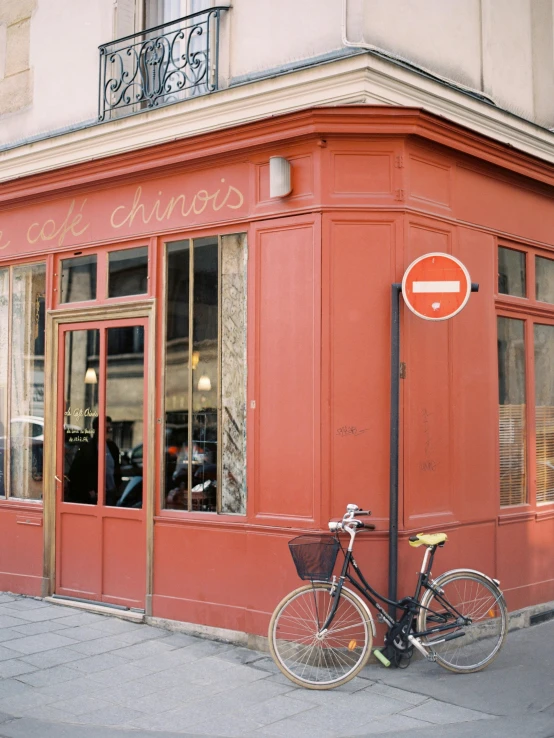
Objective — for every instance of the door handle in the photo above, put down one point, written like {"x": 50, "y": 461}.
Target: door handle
{"x": 57, "y": 479}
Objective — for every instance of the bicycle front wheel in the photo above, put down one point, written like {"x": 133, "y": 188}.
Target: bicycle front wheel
{"x": 315, "y": 659}
{"x": 473, "y": 608}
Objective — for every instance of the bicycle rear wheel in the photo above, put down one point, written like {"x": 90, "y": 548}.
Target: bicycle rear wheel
{"x": 320, "y": 660}
{"x": 474, "y": 607}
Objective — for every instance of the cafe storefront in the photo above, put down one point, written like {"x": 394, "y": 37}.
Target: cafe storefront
{"x": 192, "y": 371}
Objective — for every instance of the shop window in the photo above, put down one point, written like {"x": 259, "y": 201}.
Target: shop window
{"x": 544, "y": 411}
{"x": 512, "y": 436}
{"x": 205, "y": 375}
{"x": 526, "y": 369}
{"x": 78, "y": 283}
{"x": 128, "y": 272}
{"x": 544, "y": 278}
{"x": 511, "y": 272}
{"x": 22, "y": 323}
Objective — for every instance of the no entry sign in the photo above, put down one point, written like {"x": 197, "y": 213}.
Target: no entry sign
{"x": 436, "y": 286}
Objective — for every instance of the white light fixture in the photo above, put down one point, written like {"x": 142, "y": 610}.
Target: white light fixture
{"x": 279, "y": 177}
{"x": 204, "y": 384}
{"x": 90, "y": 376}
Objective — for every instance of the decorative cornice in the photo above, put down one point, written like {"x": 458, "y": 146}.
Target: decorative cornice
{"x": 122, "y": 149}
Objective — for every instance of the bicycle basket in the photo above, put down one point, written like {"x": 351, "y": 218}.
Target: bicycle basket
{"x": 314, "y": 556}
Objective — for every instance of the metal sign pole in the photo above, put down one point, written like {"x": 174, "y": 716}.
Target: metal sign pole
{"x": 394, "y": 440}
{"x": 394, "y": 431}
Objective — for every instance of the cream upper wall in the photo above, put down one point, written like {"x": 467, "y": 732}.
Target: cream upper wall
{"x": 503, "y": 48}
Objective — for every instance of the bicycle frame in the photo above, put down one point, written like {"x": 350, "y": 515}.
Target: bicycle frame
{"x": 410, "y": 605}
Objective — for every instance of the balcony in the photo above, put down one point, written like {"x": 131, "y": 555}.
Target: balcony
{"x": 160, "y": 66}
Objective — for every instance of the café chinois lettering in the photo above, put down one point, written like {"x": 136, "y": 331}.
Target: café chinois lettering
{"x": 137, "y": 212}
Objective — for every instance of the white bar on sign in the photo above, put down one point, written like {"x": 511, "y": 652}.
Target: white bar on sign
{"x": 436, "y": 287}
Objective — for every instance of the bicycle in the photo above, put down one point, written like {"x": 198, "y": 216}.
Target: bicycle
{"x": 320, "y": 635}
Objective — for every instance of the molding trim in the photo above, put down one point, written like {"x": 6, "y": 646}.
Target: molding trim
{"x": 363, "y": 79}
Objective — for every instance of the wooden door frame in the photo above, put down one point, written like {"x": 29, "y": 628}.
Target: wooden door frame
{"x": 55, "y": 318}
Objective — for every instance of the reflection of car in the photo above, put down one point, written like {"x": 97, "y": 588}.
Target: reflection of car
{"x": 27, "y": 436}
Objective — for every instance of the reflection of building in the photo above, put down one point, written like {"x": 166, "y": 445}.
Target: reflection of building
{"x": 236, "y": 332}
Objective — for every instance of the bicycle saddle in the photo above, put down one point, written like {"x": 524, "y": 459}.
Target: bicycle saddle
{"x": 428, "y": 539}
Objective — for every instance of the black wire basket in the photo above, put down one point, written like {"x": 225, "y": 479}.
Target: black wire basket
{"x": 314, "y": 556}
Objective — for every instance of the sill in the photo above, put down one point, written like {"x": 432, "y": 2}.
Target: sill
{"x": 522, "y": 515}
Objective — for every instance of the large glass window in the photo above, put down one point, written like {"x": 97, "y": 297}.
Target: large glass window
{"x": 526, "y": 378}
{"x": 78, "y": 282}
{"x": 512, "y": 436}
{"x": 22, "y": 323}
{"x": 128, "y": 272}
{"x": 511, "y": 272}
{"x": 205, "y": 375}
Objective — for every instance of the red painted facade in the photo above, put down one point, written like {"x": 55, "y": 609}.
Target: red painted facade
{"x": 373, "y": 189}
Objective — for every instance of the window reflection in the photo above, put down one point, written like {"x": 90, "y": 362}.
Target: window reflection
{"x": 124, "y": 465}
{"x": 82, "y": 353}
{"x": 4, "y": 355}
{"x": 128, "y": 272}
{"x": 192, "y": 375}
{"x": 26, "y": 426}
{"x": 511, "y": 272}
{"x": 78, "y": 282}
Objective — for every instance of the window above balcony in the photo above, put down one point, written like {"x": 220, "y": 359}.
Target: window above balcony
{"x": 167, "y": 63}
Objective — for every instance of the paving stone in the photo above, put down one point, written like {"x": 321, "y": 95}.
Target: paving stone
{"x": 45, "y": 626}
{"x": 38, "y": 643}
{"x": 9, "y": 687}
{"x": 226, "y": 726}
{"x": 26, "y": 603}
{"x": 75, "y": 618}
{"x": 81, "y": 705}
{"x": 390, "y": 724}
{"x": 69, "y": 689}
{"x": 258, "y": 691}
{"x": 411, "y": 698}
{"x": 55, "y": 657}
{"x": 114, "y": 625}
{"x": 15, "y": 668}
{"x": 180, "y": 640}
{"x": 119, "y": 674}
{"x": 112, "y": 715}
{"x": 9, "y": 634}
{"x": 79, "y": 632}
{"x": 290, "y": 728}
{"x": 144, "y": 649}
{"x": 20, "y": 704}
{"x": 99, "y": 645}
{"x": 8, "y": 621}
{"x": 39, "y": 614}
{"x": 277, "y": 708}
{"x": 53, "y": 675}
{"x": 103, "y": 661}
{"x": 442, "y": 713}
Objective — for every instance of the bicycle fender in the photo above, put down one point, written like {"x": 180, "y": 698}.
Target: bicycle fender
{"x": 494, "y": 582}
{"x": 361, "y": 602}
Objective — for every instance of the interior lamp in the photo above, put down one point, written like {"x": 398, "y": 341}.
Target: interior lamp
{"x": 204, "y": 384}
{"x": 90, "y": 376}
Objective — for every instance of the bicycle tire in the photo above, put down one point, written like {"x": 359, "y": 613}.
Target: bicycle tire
{"x": 477, "y": 598}
{"x": 309, "y": 659}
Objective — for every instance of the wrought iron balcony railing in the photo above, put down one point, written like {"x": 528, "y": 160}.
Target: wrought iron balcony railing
{"x": 160, "y": 66}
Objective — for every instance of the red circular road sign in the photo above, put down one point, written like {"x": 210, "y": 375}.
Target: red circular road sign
{"x": 436, "y": 286}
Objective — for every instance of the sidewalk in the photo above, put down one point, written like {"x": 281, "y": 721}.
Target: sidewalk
{"x": 74, "y": 674}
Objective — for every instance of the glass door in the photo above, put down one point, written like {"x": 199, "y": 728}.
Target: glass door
{"x": 101, "y": 461}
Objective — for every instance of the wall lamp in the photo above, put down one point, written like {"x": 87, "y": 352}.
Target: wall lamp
{"x": 279, "y": 177}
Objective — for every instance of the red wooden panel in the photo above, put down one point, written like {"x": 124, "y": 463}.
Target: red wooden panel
{"x": 288, "y": 378}
{"x": 361, "y": 273}
{"x": 79, "y": 550}
{"x": 124, "y": 560}
{"x": 474, "y": 381}
{"x": 503, "y": 205}
{"x": 427, "y": 399}
{"x": 525, "y": 562}
{"x": 429, "y": 179}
